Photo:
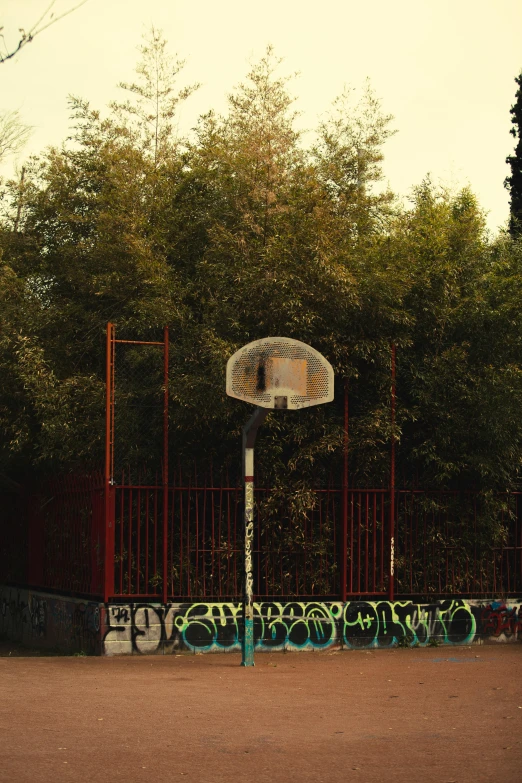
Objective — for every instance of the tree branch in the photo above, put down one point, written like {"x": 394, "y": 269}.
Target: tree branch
{"x": 36, "y": 29}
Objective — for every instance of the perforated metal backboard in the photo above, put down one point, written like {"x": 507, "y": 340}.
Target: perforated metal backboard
{"x": 278, "y": 372}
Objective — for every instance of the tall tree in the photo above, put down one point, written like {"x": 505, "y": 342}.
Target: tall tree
{"x": 279, "y": 258}
{"x": 514, "y": 182}
{"x": 245, "y": 232}
{"x": 80, "y": 245}
{"x": 150, "y": 114}
{"x": 349, "y": 154}
{"x": 459, "y": 381}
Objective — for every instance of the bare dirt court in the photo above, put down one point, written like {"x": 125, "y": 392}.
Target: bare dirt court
{"x": 438, "y": 714}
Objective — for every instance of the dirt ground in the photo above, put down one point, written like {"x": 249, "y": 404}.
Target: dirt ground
{"x": 437, "y": 714}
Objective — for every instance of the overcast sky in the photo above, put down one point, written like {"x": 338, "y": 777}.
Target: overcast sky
{"x": 444, "y": 68}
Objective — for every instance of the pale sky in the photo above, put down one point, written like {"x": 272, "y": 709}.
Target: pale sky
{"x": 444, "y": 68}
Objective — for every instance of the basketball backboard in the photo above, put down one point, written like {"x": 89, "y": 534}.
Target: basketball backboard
{"x": 279, "y": 372}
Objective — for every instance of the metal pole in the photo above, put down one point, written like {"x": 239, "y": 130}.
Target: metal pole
{"x": 249, "y": 439}
{"x": 108, "y": 571}
{"x": 165, "y": 459}
{"x": 344, "y": 544}
{"x": 391, "y": 590}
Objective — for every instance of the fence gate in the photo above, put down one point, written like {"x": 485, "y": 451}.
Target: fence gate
{"x": 136, "y": 467}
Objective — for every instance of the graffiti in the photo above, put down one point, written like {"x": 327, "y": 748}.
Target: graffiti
{"x": 60, "y": 614}
{"x": 75, "y": 626}
{"x": 384, "y": 624}
{"x": 277, "y": 626}
{"x": 202, "y": 627}
{"x": 38, "y": 615}
{"x": 120, "y": 614}
{"x": 51, "y": 622}
{"x": 86, "y": 627}
{"x": 15, "y": 615}
{"x": 248, "y": 620}
{"x": 249, "y": 537}
{"x": 501, "y": 621}
{"x": 143, "y": 628}
{"x": 218, "y": 627}
{"x": 24, "y": 619}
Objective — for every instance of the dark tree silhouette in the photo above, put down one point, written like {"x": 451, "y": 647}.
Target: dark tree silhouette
{"x": 514, "y": 182}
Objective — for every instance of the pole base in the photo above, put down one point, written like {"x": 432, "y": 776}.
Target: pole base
{"x": 247, "y": 647}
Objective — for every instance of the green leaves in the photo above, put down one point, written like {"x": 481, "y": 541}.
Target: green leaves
{"x": 242, "y": 232}
{"x": 459, "y": 382}
{"x": 149, "y": 116}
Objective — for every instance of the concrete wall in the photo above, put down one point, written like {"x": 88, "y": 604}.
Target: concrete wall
{"x": 49, "y": 621}
{"x": 213, "y": 627}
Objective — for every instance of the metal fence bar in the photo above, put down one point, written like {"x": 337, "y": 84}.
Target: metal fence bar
{"x": 443, "y": 541}
{"x": 344, "y": 534}
{"x": 391, "y": 576}
{"x": 165, "y": 461}
{"x": 109, "y": 496}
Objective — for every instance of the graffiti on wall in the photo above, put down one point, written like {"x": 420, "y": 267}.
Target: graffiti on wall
{"x": 385, "y": 624}
{"x": 56, "y": 622}
{"x": 75, "y": 626}
{"x": 38, "y": 615}
{"x": 501, "y": 621}
{"x": 23, "y": 614}
{"x": 218, "y": 627}
{"x": 16, "y": 614}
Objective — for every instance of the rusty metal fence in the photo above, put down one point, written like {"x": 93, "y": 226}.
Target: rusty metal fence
{"x": 204, "y": 538}
{"x": 147, "y": 533}
{"x": 446, "y": 544}
{"x": 459, "y": 543}
{"x": 53, "y": 533}
{"x": 443, "y": 544}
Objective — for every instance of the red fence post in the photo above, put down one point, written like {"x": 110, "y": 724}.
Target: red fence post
{"x": 391, "y": 590}
{"x": 97, "y": 500}
{"x": 109, "y": 492}
{"x": 344, "y": 543}
{"x": 165, "y": 459}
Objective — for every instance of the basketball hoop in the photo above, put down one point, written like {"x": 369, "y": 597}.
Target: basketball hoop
{"x": 275, "y": 373}
{"x": 278, "y": 372}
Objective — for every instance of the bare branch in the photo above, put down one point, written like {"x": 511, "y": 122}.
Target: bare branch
{"x": 13, "y": 133}
{"x": 36, "y": 29}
